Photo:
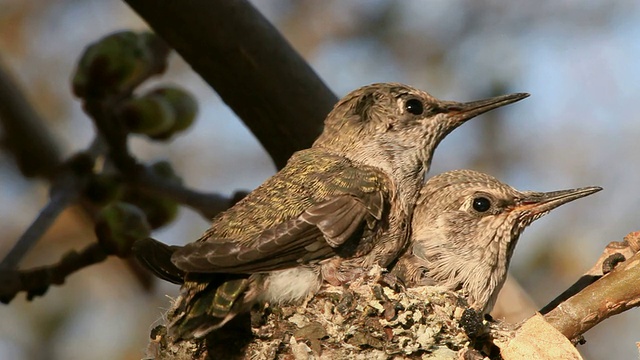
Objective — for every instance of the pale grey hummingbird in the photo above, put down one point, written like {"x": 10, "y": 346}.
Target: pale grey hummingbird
{"x": 465, "y": 227}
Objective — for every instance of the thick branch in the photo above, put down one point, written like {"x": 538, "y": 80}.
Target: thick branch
{"x": 614, "y": 293}
{"x": 251, "y": 66}
{"x": 25, "y": 135}
{"x": 615, "y": 252}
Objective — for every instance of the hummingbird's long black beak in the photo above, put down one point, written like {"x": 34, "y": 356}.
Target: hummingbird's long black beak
{"x": 461, "y": 112}
{"x": 536, "y": 203}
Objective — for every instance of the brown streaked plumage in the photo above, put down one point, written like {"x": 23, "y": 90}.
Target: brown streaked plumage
{"x": 464, "y": 230}
{"x": 323, "y": 216}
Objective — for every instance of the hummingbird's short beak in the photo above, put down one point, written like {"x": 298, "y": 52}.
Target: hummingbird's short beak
{"x": 539, "y": 203}
{"x": 461, "y": 112}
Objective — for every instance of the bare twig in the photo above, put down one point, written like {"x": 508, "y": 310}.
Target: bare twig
{"x": 64, "y": 195}
{"x": 614, "y": 293}
{"x": 207, "y": 204}
{"x": 251, "y": 66}
{"x": 35, "y": 282}
{"x": 66, "y": 188}
{"x": 583, "y": 282}
{"x": 111, "y": 132}
{"x": 33, "y": 147}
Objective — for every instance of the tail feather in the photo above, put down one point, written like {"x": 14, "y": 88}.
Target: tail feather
{"x": 205, "y": 307}
{"x": 156, "y": 257}
{"x": 208, "y": 301}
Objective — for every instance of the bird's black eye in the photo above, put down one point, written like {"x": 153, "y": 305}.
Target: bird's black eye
{"x": 481, "y": 204}
{"x": 414, "y": 106}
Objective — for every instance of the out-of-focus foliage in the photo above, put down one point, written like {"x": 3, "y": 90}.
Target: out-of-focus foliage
{"x": 577, "y": 59}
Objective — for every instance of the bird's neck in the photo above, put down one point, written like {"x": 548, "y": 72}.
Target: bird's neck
{"x": 407, "y": 179}
{"x": 497, "y": 262}
{"x": 408, "y": 187}
{"x": 406, "y": 172}
{"x": 457, "y": 261}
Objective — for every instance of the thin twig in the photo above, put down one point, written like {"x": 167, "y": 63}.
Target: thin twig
{"x": 65, "y": 189}
{"x": 35, "y": 282}
{"x": 207, "y": 204}
{"x": 60, "y": 199}
{"x": 112, "y": 133}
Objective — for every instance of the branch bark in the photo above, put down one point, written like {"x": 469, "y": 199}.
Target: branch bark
{"x": 250, "y": 65}
{"x": 614, "y": 293}
{"x": 614, "y": 253}
{"x": 206, "y": 204}
{"x": 36, "y": 282}
{"x": 33, "y": 146}
{"x": 65, "y": 195}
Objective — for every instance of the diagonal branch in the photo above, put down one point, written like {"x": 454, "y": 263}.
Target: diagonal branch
{"x": 33, "y": 147}
{"x": 614, "y": 293}
{"x": 60, "y": 199}
{"x": 250, "y": 65}
{"x": 67, "y": 184}
{"x": 207, "y": 204}
{"x": 614, "y": 253}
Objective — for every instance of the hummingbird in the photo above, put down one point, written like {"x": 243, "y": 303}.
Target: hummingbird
{"x": 465, "y": 227}
{"x": 334, "y": 211}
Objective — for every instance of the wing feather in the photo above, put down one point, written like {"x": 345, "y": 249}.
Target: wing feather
{"x": 321, "y": 213}
{"x": 310, "y": 237}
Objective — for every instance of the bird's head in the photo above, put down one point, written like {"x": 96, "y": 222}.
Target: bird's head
{"x": 466, "y": 225}
{"x": 397, "y": 127}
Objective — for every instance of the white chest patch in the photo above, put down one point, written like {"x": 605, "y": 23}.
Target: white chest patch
{"x": 291, "y": 285}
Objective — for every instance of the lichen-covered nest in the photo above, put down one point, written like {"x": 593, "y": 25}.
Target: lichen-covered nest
{"x": 366, "y": 320}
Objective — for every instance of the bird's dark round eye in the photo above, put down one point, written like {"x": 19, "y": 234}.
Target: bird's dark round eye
{"x": 414, "y": 106}
{"x": 481, "y": 204}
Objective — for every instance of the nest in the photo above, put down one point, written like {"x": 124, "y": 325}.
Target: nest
{"x": 368, "y": 319}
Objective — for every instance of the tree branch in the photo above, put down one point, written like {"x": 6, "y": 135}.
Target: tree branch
{"x": 67, "y": 183}
{"x": 614, "y": 293}
{"x": 36, "y": 282}
{"x": 60, "y": 199}
{"x": 261, "y": 69}
{"x": 614, "y": 253}
{"x": 207, "y": 204}
{"x": 250, "y": 65}
{"x": 34, "y": 148}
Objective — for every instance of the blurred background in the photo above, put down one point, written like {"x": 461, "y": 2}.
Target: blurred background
{"x": 578, "y": 59}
